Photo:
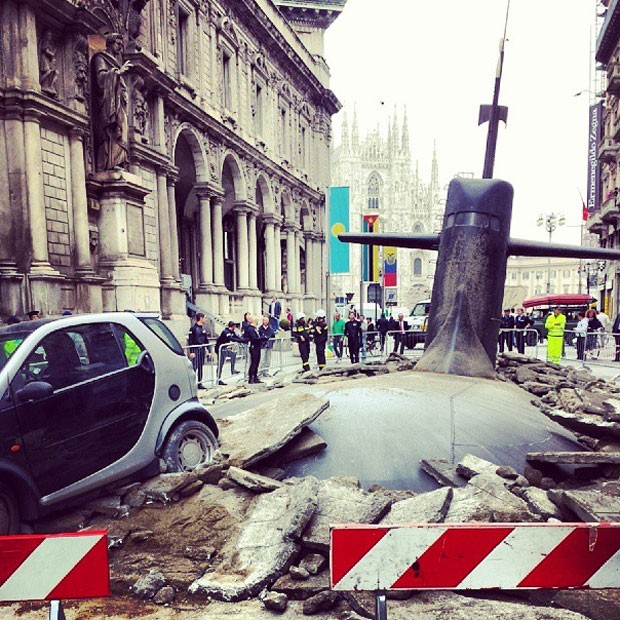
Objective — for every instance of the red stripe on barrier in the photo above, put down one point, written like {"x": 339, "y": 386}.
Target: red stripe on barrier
{"x": 575, "y": 559}
{"x": 90, "y": 576}
{"x": 352, "y": 546}
{"x": 13, "y": 552}
{"x": 452, "y": 557}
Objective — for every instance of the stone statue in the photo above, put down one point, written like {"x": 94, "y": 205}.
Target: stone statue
{"x": 80, "y": 63}
{"x": 48, "y": 73}
{"x": 110, "y": 100}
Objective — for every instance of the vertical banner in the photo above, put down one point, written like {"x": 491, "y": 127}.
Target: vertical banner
{"x": 390, "y": 265}
{"x": 371, "y": 265}
{"x": 338, "y": 223}
{"x": 595, "y": 130}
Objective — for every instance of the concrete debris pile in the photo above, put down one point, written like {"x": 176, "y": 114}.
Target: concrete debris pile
{"x": 237, "y": 532}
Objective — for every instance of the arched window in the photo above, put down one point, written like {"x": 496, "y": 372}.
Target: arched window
{"x": 417, "y": 266}
{"x": 374, "y": 191}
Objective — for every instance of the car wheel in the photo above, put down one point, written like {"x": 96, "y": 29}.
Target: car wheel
{"x": 189, "y": 445}
{"x": 9, "y": 511}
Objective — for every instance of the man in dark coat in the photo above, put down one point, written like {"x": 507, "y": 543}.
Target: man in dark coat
{"x": 615, "y": 330}
{"x": 255, "y": 342}
{"x": 353, "y": 334}
{"x": 506, "y": 322}
{"x": 383, "y": 326}
{"x": 198, "y": 341}
{"x": 225, "y": 351}
{"x": 522, "y": 322}
{"x": 400, "y": 333}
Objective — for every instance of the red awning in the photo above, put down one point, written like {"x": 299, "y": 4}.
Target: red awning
{"x": 574, "y": 299}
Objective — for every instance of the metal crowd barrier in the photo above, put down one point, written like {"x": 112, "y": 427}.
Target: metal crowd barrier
{"x": 598, "y": 346}
{"x": 520, "y": 340}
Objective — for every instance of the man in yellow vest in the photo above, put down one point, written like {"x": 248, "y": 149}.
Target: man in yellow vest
{"x": 555, "y": 325}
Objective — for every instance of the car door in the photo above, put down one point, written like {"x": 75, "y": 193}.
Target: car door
{"x": 79, "y": 428}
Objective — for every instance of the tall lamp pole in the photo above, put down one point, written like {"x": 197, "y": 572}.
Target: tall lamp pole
{"x": 550, "y": 221}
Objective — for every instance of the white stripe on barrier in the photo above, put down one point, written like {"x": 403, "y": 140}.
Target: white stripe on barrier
{"x": 515, "y": 557}
{"x": 46, "y": 567}
{"x": 396, "y": 548}
{"x": 606, "y": 574}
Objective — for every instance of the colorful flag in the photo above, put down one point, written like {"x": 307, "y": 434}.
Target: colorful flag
{"x": 584, "y": 212}
{"x": 389, "y": 266}
{"x": 338, "y": 223}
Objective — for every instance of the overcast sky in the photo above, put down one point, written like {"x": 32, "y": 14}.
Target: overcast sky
{"x": 439, "y": 59}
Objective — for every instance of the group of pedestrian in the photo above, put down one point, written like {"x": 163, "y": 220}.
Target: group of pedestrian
{"x": 513, "y": 329}
{"x": 590, "y": 334}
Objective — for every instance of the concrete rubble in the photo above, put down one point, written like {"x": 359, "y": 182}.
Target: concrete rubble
{"x": 239, "y": 532}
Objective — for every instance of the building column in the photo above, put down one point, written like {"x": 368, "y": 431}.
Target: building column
{"x": 309, "y": 287}
{"x": 243, "y": 259}
{"x": 298, "y": 240}
{"x": 165, "y": 256}
{"x": 277, "y": 250}
{"x": 79, "y": 200}
{"x": 253, "y": 251}
{"x": 291, "y": 274}
{"x": 206, "y": 244}
{"x": 319, "y": 271}
{"x": 218, "y": 241}
{"x": 174, "y": 232}
{"x": 270, "y": 257}
{"x": 36, "y": 203}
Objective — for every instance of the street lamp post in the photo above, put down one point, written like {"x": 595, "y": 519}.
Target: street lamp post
{"x": 550, "y": 221}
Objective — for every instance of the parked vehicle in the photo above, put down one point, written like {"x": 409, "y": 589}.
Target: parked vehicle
{"x": 92, "y": 399}
{"x": 418, "y": 320}
{"x": 571, "y": 304}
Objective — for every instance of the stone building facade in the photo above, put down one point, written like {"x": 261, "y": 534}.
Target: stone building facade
{"x": 155, "y": 150}
{"x": 604, "y": 220}
{"x": 382, "y": 181}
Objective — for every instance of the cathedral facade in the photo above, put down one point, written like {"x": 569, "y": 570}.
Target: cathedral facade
{"x": 158, "y": 151}
{"x": 378, "y": 170}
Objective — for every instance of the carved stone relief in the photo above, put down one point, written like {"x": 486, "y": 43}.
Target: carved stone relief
{"x": 80, "y": 66}
{"x": 140, "y": 110}
{"x": 48, "y": 70}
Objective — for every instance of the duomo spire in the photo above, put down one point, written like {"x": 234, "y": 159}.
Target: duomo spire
{"x": 405, "y": 137}
{"x": 344, "y": 134}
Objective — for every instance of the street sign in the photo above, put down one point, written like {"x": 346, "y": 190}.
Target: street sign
{"x": 56, "y": 566}
{"x": 475, "y": 556}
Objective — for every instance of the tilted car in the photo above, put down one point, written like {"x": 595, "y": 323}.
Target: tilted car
{"x": 92, "y": 399}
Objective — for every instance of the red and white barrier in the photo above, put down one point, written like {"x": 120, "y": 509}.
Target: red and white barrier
{"x": 475, "y": 556}
{"x": 54, "y": 566}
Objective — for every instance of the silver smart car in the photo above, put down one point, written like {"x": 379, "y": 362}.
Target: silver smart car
{"x": 91, "y": 399}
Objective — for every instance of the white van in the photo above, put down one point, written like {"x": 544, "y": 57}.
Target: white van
{"x": 418, "y": 319}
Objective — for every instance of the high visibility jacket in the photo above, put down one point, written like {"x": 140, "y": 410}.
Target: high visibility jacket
{"x": 132, "y": 349}
{"x": 555, "y": 325}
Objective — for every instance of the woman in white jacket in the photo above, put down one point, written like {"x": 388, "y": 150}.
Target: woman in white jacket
{"x": 581, "y": 332}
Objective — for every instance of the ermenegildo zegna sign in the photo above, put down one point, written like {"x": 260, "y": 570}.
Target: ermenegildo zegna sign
{"x": 595, "y": 126}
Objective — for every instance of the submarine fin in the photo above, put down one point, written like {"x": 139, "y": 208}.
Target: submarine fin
{"x": 422, "y": 242}
{"x": 456, "y": 349}
{"x": 524, "y": 247}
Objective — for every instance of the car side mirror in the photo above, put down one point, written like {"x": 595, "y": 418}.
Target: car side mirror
{"x": 35, "y": 390}
{"x": 145, "y": 363}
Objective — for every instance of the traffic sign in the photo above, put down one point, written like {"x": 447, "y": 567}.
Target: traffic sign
{"x": 475, "y": 556}
{"x": 54, "y": 566}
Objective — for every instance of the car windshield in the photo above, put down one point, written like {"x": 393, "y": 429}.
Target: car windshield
{"x": 421, "y": 310}
{"x": 9, "y": 343}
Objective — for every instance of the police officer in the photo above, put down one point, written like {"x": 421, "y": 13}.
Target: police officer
{"x": 353, "y": 334}
{"x": 319, "y": 335}
{"x": 301, "y": 335}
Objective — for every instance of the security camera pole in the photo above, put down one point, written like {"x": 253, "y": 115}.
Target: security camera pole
{"x": 494, "y": 113}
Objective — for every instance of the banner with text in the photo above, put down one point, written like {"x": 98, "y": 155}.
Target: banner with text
{"x": 338, "y": 223}
{"x": 595, "y": 130}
